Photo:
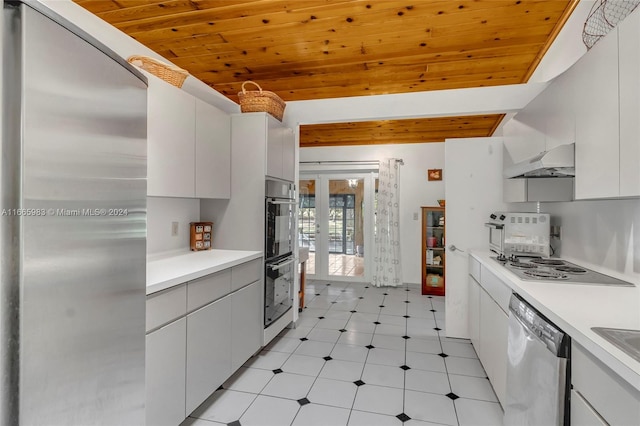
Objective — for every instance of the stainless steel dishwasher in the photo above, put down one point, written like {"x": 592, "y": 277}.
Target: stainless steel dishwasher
{"x": 538, "y": 369}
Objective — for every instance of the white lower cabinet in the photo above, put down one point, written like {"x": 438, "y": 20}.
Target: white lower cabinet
{"x": 208, "y": 351}
{"x": 494, "y": 327}
{"x": 474, "y": 313}
{"x": 165, "y": 365}
{"x": 583, "y": 414}
{"x": 246, "y": 323}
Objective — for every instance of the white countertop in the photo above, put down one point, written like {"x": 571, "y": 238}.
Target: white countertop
{"x": 575, "y": 308}
{"x": 168, "y": 269}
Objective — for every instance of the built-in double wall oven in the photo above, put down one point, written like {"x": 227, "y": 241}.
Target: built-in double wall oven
{"x": 280, "y": 264}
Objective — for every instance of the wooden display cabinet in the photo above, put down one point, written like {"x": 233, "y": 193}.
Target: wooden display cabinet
{"x": 433, "y": 251}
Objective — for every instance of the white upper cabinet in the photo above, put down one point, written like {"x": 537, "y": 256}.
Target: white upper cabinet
{"x": 171, "y": 141}
{"x": 189, "y": 145}
{"x": 597, "y": 120}
{"x": 629, "y": 49}
{"x": 280, "y": 151}
{"x": 212, "y": 152}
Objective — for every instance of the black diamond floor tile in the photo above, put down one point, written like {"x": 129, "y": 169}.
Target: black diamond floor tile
{"x": 437, "y": 328}
{"x": 303, "y": 401}
{"x": 406, "y": 316}
{"x": 403, "y": 417}
{"x": 443, "y": 355}
{"x": 405, "y": 367}
{"x": 452, "y": 395}
{"x": 359, "y": 383}
{"x": 320, "y": 317}
{"x": 277, "y": 371}
{"x": 327, "y": 358}
{"x": 353, "y": 312}
{"x": 234, "y": 423}
{"x": 370, "y": 347}
{"x": 303, "y": 339}
{"x": 342, "y": 330}
{"x": 406, "y": 337}
{"x": 377, "y": 322}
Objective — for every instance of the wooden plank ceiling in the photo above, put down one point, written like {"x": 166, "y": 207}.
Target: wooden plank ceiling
{"x": 316, "y": 49}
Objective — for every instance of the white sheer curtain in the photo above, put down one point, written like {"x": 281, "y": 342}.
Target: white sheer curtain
{"x": 388, "y": 271}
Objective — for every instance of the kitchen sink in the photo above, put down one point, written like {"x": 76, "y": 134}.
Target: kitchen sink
{"x": 626, "y": 340}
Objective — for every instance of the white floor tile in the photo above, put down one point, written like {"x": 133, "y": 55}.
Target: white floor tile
{"x": 290, "y": 386}
{"x": 224, "y": 406}
{"x": 314, "y": 348}
{"x": 472, "y": 387}
{"x": 283, "y": 344}
{"x": 361, "y": 326}
{"x": 190, "y": 421}
{"x": 378, "y": 399}
{"x": 331, "y": 324}
{"x": 429, "y": 407}
{"x": 350, "y": 353}
{"x": 362, "y": 418}
{"x": 386, "y": 357}
{"x": 344, "y": 305}
{"x": 333, "y": 392}
{"x": 427, "y": 346}
{"x": 338, "y": 315}
{"x": 427, "y": 381}
{"x": 268, "y": 360}
{"x": 355, "y": 338}
{"x": 302, "y": 364}
{"x": 297, "y": 332}
{"x": 324, "y": 335}
{"x": 383, "y": 375}
{"x": 342, "y": 370}
{"x": 248, "y": 380}
{"x": 463, "y": 350}
{"x": 321, "y": 415}
{"x": 369, "y": 308}
{"x": 364, "y": 317}
{"x": 269, "y": 411}
{"x": 313, "y": 312}
{"x": 391, "y": 330}
{"x": 429, "y": 362}
{"x": 478, "y": 413}
{"x": 419, "y": 332}
{"x": 307, "y": 321}
{"x": 392, "y": 320}
{"x": 395, "y": 343}
{"x": 464, "y": 366}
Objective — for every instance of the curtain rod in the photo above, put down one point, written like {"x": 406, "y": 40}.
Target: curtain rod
{"x": 364, "y": 162}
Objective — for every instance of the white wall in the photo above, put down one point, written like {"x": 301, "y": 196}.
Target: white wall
{"x": 602, "y": 234}
{"x": 160, "y": 213}
{"x": 415, "y": 190}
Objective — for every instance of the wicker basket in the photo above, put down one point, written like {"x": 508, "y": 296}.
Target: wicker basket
{"x": 169, "y": 73}
{"x": 261, "y": 101}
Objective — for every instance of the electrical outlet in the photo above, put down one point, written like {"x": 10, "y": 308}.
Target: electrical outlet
{"x": 556, "y": 232}
{"x": 415, "y": 216}
{"x": 174, "y": 229}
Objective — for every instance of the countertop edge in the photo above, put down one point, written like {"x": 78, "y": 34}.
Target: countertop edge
{"x": 615, "y": 359}
{"x": 190, "y": 266}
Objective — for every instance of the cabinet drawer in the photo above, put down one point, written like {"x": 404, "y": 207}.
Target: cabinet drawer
{"x": 246, "y": 273}
{"x": 207, "y": 289}
{"x": 583, "y": 414}
{"x": 474, "y": 268}
{"x": 613, "y": 398}
{"x": 165, "y": 306}
{"x": 498, "y": 290}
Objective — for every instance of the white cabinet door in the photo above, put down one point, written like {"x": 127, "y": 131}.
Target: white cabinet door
{"x": 474, "y": 313}
{"x": 208, "y": 351}
{"x": 165, "y": 362}
{"x": 288, "y": 155}
{"x": 170, "y": 146}
{"x": 246, "y": 323}
{"x": 212, "y": 152}
{"x": 494, "y": 325}
{"x": 275, "y": 147}
{"x": 597, "y": 121}
{"x": 583, "y": 414}
{"x": 629, "y": 51}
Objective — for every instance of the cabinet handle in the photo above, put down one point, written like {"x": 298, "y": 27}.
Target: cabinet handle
{"x": 454, "y": 248}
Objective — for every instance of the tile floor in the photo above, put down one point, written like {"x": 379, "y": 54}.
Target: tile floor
{"x": 359, "y": 355}
{"x": 342, "y": 265}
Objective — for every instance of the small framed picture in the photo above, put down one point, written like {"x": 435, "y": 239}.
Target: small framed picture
{"x": 434, "y": 174}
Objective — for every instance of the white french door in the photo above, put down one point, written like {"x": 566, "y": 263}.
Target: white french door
{"x": 336, "y": 222}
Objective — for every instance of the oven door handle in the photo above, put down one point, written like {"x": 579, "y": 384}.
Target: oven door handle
{"x": 494, "y": 225}
{"x": 280, "y": 265}
{"x": 278, "y": 202}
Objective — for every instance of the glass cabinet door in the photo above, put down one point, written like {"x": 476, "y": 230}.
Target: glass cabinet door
{"x": 433, "y": 252}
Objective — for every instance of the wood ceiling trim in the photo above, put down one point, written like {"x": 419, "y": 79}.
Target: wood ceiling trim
{"x": 397, "y": 131}
{"x": 554, "y": 33}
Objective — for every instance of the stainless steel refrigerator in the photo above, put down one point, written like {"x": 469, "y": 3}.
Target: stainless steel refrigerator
{"x": 72, "y": 226}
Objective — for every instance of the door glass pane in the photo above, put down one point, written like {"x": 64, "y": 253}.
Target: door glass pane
{"x": 307, "y": 221}
{"x": 346, "y": 227}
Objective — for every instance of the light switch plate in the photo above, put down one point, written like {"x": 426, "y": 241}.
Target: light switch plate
{"x": 415, "y": 216}
{"x": 174, "y": 229}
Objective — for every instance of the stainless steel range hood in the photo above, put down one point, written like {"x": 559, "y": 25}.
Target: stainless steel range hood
{"x": 557, "y": 162}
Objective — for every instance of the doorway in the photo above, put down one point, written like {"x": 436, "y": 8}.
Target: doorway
{"x": 335, "y": 222}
